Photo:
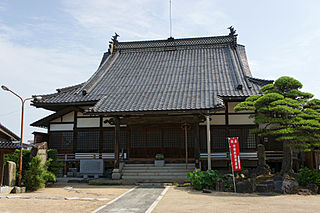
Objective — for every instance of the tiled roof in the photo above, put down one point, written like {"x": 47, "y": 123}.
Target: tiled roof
{"x": 6, "y": 144}
{"x": 8, "y": 133}
{"x": 174, "y": 74}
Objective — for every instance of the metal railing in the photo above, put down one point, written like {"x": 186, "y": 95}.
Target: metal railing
{"x": 80, "y": 156}
{"x": 278, "y": 155}
{"x": 225, "y": 155}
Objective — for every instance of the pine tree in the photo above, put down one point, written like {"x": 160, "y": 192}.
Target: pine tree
{"x": 287, "y": 114}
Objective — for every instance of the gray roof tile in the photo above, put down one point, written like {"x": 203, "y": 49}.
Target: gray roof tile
{"x": 147, "y": 76}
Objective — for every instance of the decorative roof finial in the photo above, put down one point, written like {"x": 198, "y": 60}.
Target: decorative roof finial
{"x": 115, "y": 37}
{"x": 232, "y": 31}
{"x": 114, "y": 41}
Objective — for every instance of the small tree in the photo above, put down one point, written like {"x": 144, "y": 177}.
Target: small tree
{"x": 282, "y": 111}
{"x": 35, "y": 176}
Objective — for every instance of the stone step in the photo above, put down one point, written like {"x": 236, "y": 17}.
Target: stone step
{"x": 166, "y": 165}
{"x": 155, "y": 174}
{"x": 156, "y": 169}
{"x": 154, "y": 177}
{"x": 154, "y": 181}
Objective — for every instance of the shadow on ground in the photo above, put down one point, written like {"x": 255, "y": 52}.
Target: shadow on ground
{"x": 190, "y": 190}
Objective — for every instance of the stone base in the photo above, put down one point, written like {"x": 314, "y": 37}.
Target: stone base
{"x": 263, "y": 170}
{"x": 159, "y": 163}
{"x": 246, "y": 186}
{"x": 116, "y": 175}
{"x": 264, "y": 188}
{"x": 18, "y": 190}
{"x": 5, "y": 190}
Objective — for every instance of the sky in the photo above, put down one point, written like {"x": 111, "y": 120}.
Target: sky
{"x": 50, "y": 44}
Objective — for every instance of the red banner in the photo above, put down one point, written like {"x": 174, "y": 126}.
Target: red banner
{"x": 235, "y": 153}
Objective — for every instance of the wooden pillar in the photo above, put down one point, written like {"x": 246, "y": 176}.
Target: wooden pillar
{"x": 1, "y": 167}
{"x": 116, "y": 142}
{"x": 227, "y": 131}
{"x": 75, "y": 132}
{"x": 208, "y": 141}
{"x": 101, "y": 135}
{"x": 186, "y": 143}
{"x": 196, "y": 143}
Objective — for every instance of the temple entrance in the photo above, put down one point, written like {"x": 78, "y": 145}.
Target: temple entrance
{"x": 169, "y": 141}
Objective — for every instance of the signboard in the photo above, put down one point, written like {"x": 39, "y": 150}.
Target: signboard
{"x": 235, "y": 154}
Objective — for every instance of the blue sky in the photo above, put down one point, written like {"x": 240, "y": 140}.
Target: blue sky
{"x": 46, "y": 45}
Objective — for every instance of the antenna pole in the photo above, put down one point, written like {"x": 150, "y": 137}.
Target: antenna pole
{"x": 170, "y": 18}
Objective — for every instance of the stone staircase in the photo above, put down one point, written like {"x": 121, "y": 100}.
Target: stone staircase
{"x": 149, "y": 173}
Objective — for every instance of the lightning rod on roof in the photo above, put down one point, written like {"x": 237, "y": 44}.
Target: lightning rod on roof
{"x": 170, "y": 18}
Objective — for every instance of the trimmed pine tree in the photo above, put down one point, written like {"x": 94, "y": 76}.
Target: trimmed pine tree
{"x": 287, "y": 114}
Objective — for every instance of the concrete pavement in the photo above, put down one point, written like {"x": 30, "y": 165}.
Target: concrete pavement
{"x": 137, "y": 200}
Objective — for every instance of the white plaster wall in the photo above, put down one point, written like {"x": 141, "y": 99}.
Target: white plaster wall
{"x": 216, "y": 120}
{"x": 56, "y": 120}
{"x": 231, "y": 106}
{"x": 68, "y": 117}
{"x": 88, "y": 122}
{"x": 240, "y": 119}
{"x": 61, "y": 127}
{"x": 106, "y": 124}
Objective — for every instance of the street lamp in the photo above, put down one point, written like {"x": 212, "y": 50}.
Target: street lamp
{"x": 21, "y": 131}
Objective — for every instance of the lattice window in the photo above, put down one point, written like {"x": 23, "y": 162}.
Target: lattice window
{"x": 203, "y": 140}
{"x": 173, "y": 138}
{"x": 138, "y": 138}
{"x": 61, "y": 140}
{"x": 219, "y": 139}
{"x": 154, "y": 138}
{"x": 88, "y": 141}
{"x": 250, "y": 139}
{"x": 108, "y": 141}
{"x": 246, "y": 139}
{"x": 123, "y": 140}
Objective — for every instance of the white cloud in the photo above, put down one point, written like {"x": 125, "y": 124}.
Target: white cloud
{"x": 30, "y": 70}
{"x": 149, "y": 19}
{"x": 131, "y": 19}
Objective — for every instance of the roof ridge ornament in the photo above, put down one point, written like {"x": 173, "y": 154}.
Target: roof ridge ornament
{"x": 232, "y": 31}
{"x": 113, "y": 42}
{"x": 233, "y": 35}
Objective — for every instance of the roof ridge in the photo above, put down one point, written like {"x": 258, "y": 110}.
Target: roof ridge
{"x": 66, "y": 89}
{"x": 174, "y": 39}
{"x": 60, "y": 91}
{"x": 259, "y": 81}
{"x": 95, "y": 78}
{"x": 172, "y": 43}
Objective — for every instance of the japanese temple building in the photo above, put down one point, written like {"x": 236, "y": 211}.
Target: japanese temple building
{"x": 157, "y": 97}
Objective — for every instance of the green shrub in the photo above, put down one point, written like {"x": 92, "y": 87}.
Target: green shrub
{"x": 307, "y": 176}
{"x": 15, "y": 157}
{"x": 49, "y": 177}
{"x": 35, "y": 176}
{"x": 205, "y": 179}
{"x": 52, "y": 163}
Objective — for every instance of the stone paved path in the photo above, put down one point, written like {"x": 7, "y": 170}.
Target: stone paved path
{"x": 136, "y": 201}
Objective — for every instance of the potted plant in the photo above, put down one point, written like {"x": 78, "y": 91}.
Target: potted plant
{"x": 159, "y": 161}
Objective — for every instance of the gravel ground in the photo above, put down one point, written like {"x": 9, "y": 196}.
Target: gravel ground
{"x": 186, "y": 200}
{"x": 177, "y": 199}
{"x": 62, "y": 190}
